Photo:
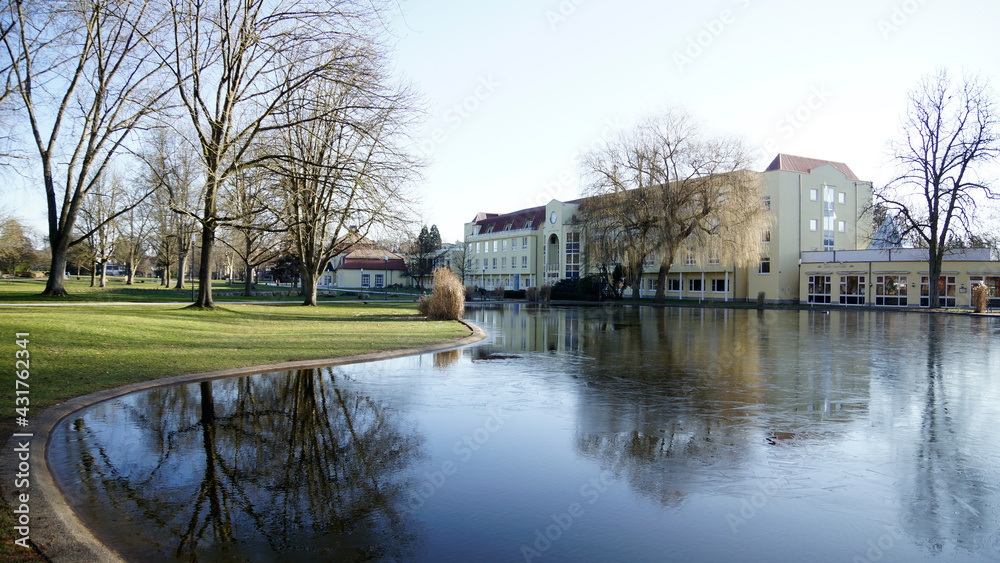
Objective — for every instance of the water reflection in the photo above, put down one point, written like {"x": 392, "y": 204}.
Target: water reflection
{"x": 244, "y": 468}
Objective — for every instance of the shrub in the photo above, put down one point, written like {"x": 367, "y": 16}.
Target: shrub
{"x": 514, "y": 294}
{"x": 498, "y": 293}
{"x": 545, "y": 293}
{"x": 532, "y": 294}
{"x": 980, "y": 298}
{"x": 447, "y": 301}
{"x": 470, "y": 293}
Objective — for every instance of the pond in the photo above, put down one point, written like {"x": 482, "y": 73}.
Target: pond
{"x": 584, "y": 434}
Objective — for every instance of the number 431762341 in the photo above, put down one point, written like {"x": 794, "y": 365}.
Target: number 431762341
{"x": 21, "y": 369}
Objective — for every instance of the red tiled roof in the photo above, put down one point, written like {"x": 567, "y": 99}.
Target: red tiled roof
{"x": 372, "y": 264}
{"x": 806, "y": 165}
{"x": 517, "y": 219}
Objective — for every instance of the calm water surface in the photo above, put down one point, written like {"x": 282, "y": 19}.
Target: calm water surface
{"x": 621, "y": 434}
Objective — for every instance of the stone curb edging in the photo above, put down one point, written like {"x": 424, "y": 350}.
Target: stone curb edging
{"x": 56, "y": 530}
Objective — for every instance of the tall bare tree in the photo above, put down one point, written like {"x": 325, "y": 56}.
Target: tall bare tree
{"x": 257, "y": 233}
{"x": 84, "y": 78}
{"x": 664, "y": 188}
{"x": 134, "y": 229}
{"x": 343, "y": 169}
{"x": 949, "y": 137}
{"x": 98, "y": 223}
{"x": 171, "y": 171}
{"x": 236, "y": 66}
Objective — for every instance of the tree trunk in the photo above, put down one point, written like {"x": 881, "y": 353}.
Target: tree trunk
{"x": 661, "y": 284}
{"x": 309, "y": 282}
{"x": 637, "y": 282}
{"x": 93, "y": 273}
{"x": 130, "y": 276}
{"x": 205, "y": 274}
{"x": 181, "y": 266}
{"x": 54, "y": 285}
{"x": 104, "y": 273}
{"x": 934, "y": 278}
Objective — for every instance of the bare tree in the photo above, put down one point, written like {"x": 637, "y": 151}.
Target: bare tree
{"x": 949, "y": 135}
{"x": 98, "y": 221}
{"x": 257, "y": 233}
{"x": 664, "y": 189}
{"x": 342, "y": 168}
{"x": 134, "y": 228}
{"x": 171, "y": 171}
{"x": 236, "y": 67}
{"x": 84, "y": 78}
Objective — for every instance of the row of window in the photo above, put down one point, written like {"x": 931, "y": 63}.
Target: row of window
{"x": 498, "y": 245}
{"x": 890, "y": 289}
{"x": 717, "y": 285}
{"x": 510, "y": 224}
{"x": 474, "y": 264}
{"x": 814, "y": 196}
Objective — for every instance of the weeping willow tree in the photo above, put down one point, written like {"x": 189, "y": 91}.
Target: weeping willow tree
{"x": 663, "y": 191}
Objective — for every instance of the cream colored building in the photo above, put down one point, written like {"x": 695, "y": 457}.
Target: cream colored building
{"x": 817, "y": 206}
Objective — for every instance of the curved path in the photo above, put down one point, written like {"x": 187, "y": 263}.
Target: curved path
{"x": 55, "y": 528}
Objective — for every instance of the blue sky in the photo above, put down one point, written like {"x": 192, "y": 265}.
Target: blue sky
{"x": 516, "y": 91}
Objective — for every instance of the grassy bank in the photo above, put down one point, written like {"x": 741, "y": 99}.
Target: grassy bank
{"x": 79, "y": 350}
{"x": 148, "y": 290}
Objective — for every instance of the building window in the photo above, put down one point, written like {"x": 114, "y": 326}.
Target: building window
{"x": 468, "y": 264}
{"x": 674, "y": 284}
{"x": 719, "y": 285}
{"x": 379, "y": 280}
{"x": 572, "y": 255}
{"x": 819, "y": 289}
{"x": 513, "y": 244}
{"x": 476, "y": 266}
{"x": 766, "y": 202}
{"x": 765, "y": 266}
{"x": 524, "y": 242}
{"x": 494, "y": 263}
{"x": 477, "y": 248}
{"x": 765, "y": 236}
{"x": 813, "y": 194}
{"x": 689, "y": 259}
{"x": 527, "y": 223}
{"x": 813, "y": 224}
{"x": 495, "y": 245}
{"x": 503, "y": 245}
{"x": 890, "y": 291}
{"x": 694, "y": 285}
{"x": 946, "y": 291}
{"x": 852, "y": 290}
{"x": 842, "y": 197}
{"x": 507, "y": 226}
{"x": 841, "y": 226}
{"x": 713, "y": 255}
{"x": 366, "y": 280}
{"x": 489, "y": 229}
{"x": 469, "y": 248}
{"x": 524, "y": 262}
{"x": 829, "y": 216}
{"x": 503, "y": 263}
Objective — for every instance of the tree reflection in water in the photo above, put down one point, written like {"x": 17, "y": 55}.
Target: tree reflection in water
{"x": 248, "y": 467}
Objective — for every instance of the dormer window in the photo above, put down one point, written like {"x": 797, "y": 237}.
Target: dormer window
{"x": 508, "y": 225}
{"x": 489, "y": 229}
{"x": 527, "y": 223}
